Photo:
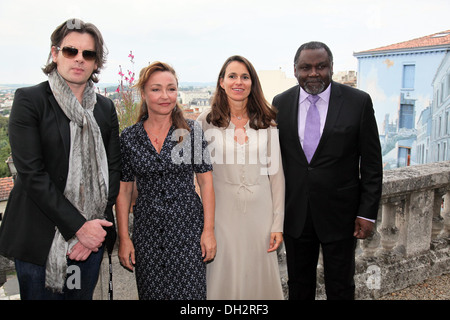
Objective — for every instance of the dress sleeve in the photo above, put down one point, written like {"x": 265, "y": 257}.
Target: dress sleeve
{"x": 276, "y": 177}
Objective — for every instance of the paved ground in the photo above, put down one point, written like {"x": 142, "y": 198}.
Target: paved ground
{"x": 437, "y": 288}
{"x": 10, "y": 289}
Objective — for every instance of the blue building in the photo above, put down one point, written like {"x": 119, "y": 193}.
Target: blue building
{"x": 423, "y": 142}
{"x": 399, "y": 79}
{"x": 440, "y": 113}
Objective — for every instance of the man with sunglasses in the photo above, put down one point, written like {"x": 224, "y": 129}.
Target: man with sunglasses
{"x": 65, "y": 145}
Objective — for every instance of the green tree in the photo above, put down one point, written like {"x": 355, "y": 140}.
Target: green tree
{"x": 5, "y": 148}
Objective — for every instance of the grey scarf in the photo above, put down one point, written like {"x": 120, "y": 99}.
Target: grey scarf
{"x": 87, "y": 180}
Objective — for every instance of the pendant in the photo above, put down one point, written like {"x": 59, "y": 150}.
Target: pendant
{"x": 237, "y": 117}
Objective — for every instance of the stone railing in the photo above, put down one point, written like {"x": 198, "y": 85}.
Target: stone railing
{"x": 412, "y": 241}
{"x": 411, "y": 244}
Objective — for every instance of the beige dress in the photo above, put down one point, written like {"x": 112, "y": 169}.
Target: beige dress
{"x": 249, "y": 189}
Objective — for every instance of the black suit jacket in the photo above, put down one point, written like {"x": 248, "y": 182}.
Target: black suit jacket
{"x": 40, "y": 144}
{"x": 344, "y": 178}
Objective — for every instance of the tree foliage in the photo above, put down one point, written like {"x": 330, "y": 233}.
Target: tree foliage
{"x": 5, "y": 148}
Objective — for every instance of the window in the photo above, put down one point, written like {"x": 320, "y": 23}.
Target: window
{"x": 444, "y": 151}
{"x": 406, "y": 116}
{"x": 434, "y": 128}
{"x": 446, "y": 123}
{"x": 408, "y": 76}
{"x": 403, "y": 156}
{"x": 448, "y": 84}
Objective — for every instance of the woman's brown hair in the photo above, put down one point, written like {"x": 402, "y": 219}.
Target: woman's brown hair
{"x": 177, "y": 116}
{"x": 260, "y": 112}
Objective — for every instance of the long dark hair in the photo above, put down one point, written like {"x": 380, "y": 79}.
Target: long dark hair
{"x": 260, "y": 112}
{"x": 177, "y": 116}
{"x": 77, "y": 25}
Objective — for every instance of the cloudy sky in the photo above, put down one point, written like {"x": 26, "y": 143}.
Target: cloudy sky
{"x": 196, "y": 36}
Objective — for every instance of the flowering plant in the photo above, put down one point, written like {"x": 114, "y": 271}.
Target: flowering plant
{"x": 126, "y": 107}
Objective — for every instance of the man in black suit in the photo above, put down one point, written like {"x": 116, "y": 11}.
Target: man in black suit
{"x": 333, "y": 171}
{"x": 65, "y": 145}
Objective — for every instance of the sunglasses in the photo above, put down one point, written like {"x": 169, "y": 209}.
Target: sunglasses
{"x": 71, "y": 53}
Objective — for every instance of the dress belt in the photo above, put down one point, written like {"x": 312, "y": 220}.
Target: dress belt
{"x": 243, "y": 187}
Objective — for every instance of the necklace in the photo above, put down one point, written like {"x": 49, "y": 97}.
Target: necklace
{"x": 156, "y": 137}
{"x": 237, "y": 117}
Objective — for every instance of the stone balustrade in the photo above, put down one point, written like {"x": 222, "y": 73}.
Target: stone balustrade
{"x": 411, "y": 242}
{"x": 412, "y": 238}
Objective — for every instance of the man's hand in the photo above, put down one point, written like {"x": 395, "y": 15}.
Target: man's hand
{"x": 91, "y": 234}
{"x": 363, "y": 228}
{"x": 79, "y": 252}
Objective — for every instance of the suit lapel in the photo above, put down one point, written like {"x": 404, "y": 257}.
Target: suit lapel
{"x": 293, "y": 117}
{"x": 293, "y": 122}
{"x": 61, "y": 122}
{"x": 334, "y": 107}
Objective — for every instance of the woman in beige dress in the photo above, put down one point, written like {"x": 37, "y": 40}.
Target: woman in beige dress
{"x": 249, "y": 187}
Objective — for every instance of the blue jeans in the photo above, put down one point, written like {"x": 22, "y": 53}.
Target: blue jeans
{"x": 31, "y": 279}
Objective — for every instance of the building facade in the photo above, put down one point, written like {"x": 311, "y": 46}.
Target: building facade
{"x": 399, "y": 79}
{"x": 424, "y": 126}
{"x": 440, "y": 113}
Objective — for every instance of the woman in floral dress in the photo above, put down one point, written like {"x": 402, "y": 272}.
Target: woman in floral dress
{"x": 173, "y": 229}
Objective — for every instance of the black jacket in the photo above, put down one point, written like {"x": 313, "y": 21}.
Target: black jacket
{"x": 40, "y": 144}
{"x": 344, "y": 178}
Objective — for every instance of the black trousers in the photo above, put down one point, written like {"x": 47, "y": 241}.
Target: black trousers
{"x": 302, "y": 255}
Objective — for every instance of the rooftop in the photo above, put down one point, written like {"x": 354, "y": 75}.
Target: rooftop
{"x": 440, "y": 39}
{"x": 6, "y": 184}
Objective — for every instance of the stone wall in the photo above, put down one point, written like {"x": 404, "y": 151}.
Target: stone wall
{"x": 412, "y": 241}
{"x": 6, "y": 266}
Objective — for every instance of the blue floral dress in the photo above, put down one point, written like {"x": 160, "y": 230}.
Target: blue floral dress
{"x": 168, "y": 215}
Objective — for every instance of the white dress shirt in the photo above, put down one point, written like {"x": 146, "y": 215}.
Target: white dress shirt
{"x": 303, "y": 107}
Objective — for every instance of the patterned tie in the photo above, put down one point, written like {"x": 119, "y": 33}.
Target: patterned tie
{"x": 312, "y": 128}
